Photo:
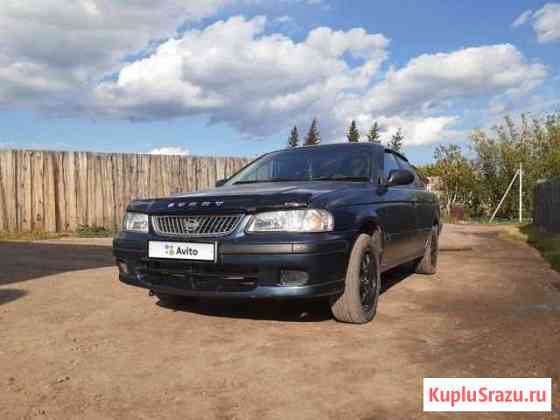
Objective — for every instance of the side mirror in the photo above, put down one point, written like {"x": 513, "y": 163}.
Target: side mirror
{"x": 400, "y": 177}
{"x": 220, "y": 182}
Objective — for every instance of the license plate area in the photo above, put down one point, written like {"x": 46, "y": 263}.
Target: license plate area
{"x": 189, "y": 251}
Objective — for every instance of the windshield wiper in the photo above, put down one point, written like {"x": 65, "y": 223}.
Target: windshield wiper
{"x": 341, "y": 178}
{"x": 246, "y": 182}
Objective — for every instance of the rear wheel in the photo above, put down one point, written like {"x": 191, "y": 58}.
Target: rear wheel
{"x": 358, "y": 303}
{"x": 428, "y": 263}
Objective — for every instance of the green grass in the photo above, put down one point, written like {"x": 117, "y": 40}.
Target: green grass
{"x": 93, "y": 232}
{"x": 497, "y": 221}
{"x": 548, "y": 244}
{"x": 81, "y": 232}
{"x": 30, "y": 236}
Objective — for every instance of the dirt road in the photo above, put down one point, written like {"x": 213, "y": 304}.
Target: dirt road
{"x": 77, "y": 344}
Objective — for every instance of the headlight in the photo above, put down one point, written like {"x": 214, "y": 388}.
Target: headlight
{"x": 312, "y": 220}
{"x": 135, "y": 222}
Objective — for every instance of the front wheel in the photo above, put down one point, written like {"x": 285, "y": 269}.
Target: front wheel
{"x": 358, "y": 303}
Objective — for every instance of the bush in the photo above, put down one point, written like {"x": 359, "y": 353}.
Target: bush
{"x": 84, "y": 231}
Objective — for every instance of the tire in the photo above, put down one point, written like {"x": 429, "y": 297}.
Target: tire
{"x": 428, "y": 263}
{"x": 358, "y": 303}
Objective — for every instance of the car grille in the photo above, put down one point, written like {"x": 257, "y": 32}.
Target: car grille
{"x": 189, "y": 226}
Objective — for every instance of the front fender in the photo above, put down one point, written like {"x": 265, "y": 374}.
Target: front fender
{"x": 356, "y": 217}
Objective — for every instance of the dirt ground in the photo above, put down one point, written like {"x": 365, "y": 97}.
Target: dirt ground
{"x": 77, "y": 344}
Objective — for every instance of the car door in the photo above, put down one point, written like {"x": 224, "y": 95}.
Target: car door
{"x": 397, "y": 216}
{"x": 423, "y": 209}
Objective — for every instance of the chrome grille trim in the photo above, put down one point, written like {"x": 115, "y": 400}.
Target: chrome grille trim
{"x": 196, "y": 225}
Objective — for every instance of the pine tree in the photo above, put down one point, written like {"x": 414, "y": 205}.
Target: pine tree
{"x": 293, "y": 141}
{"x": 373, "y": 135}
{"x": 353, "y": 133}
{"x": 396, "y": 142}
{"x": 313, "y": 136}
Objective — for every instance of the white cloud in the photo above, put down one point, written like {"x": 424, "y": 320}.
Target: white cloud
{"x": 261, "y": 83}
{"x": 57, "y": 47}
{"x": 286, "y": 25}
{"x": 522, "y": 19}
{"x": 170, "y": 150}
{"x": 468, "y": 72}
{"x": 546, "y": 23}
{"x": 284, "y": 19}
{"x": 414, "y": 96}
{"x": 235, "y": 73}
{"x": 68, "y": 57}
{"x": 418, "y": 130}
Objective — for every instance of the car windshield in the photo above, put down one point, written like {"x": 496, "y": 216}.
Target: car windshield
{"x": 308, "y": 164}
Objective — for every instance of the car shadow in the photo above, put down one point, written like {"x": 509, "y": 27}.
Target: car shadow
{"x": 304, "y": 310}
{"x": 22, "y": 261}
{"x": 393, "y": 277}
{"x": 9, "y": 295}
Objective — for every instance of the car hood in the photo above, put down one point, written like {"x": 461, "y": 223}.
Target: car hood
{"x": 244, "y": 197}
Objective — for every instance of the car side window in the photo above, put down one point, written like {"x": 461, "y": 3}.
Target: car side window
{"x": 405, "y": 165}
{"x": 389, "y": 164}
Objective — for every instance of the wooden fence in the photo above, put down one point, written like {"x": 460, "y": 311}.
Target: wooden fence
{"x": 58, "y": 191}
{"x": 546, "y": 209}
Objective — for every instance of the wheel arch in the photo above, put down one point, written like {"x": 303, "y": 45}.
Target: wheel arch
{"x": 370, "y": 225}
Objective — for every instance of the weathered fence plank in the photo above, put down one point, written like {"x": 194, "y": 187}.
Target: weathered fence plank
{"x": 51, "y": 194}
{"x": 38, "y": 191}
{"x": 58, "y": 191}
{"x": 82, "y": 188}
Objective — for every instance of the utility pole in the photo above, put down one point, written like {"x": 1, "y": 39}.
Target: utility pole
{"x": 518, "y": 174}
{"x": 520, "y": 193}
{"x": 504, "y": 196}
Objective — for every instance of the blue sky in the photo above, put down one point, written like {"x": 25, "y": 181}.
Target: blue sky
{"x": 228, "y": 77}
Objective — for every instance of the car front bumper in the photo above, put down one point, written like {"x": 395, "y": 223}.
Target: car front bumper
{"x": 246, "y": 267}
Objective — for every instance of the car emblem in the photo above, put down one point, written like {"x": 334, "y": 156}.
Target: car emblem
{"x": 171, "y": 205}
{"x": 219, "y": 203}
{"x": 193, "y": 203}
{"x": 191, "y": 225}
{"x": 182, "y": 204}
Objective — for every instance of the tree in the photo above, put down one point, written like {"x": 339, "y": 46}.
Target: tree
{"x": 396, "y": 142}
{"x": 373, "y": 135}
{"x": 457, "y": 176}
{"x": 353, "y": 134}
{"x": 293, "y": 140}
{"x": 531, "y": 142}
{"x": 480, "y": 182}
{"x": 313, "y": 136}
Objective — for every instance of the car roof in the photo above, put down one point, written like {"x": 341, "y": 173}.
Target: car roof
{"x": 362, "y": 145}
{"x": 331, "y": 146}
